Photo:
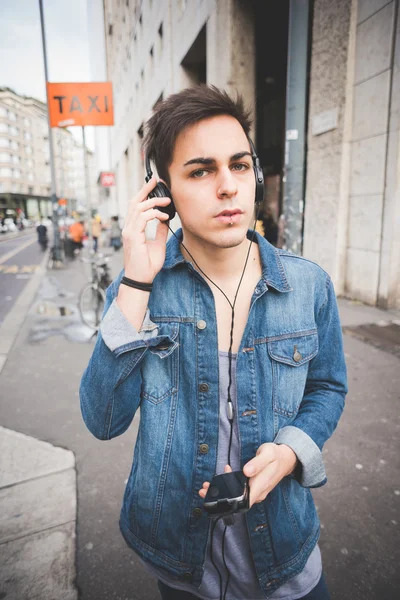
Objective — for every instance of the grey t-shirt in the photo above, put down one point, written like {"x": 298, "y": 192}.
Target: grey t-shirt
{"x": 243, "y": 582}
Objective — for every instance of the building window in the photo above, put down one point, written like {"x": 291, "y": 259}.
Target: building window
{"x": 13, "y": 130}
{"x": 30, "y": 189}
{"x": 30, "y": 176}
{"x": 14, "y": 145}
{"x": 5, "y": 172}
{"x": 27, "y": 136}
{"x": 30, "y": 163}
{"x": 12, "y": 116}
{"x": 5, "y": 157}
{"x": 17, "y": 174}
{"x": 15, "y": 187}
{"x": 28, "y": 150}
{"x": 27, "y": 122}
{"x": 3, "y": 112}
{"x": 3, "y": 128}
{"x": 15, "y": 159}
{"x": 4, "y": 143}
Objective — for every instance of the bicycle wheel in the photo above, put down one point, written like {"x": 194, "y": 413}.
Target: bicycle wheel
{"x": 91, "y": 305}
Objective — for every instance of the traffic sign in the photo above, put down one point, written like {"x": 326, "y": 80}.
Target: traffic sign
{"x": 73, "y": 104}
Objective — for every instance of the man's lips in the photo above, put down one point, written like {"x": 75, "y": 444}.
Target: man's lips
{"x": 230, "y": 217}
{"x": 230, "y": 212}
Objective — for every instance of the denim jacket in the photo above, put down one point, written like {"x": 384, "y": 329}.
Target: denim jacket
{"x": 291, "y": 385}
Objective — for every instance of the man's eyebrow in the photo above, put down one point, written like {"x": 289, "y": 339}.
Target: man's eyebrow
{"x": 200, "y": 160}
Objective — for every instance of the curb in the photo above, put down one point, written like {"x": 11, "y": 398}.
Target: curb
{"x": 11, "y": 325}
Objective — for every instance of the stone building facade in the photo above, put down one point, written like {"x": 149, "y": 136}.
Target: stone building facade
{"x": 25, "y": 178}
{"x": 351, "y": 198}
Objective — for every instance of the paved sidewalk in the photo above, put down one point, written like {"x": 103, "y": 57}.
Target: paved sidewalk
{"x": 38, "y": 491}
{"x": 39, "y": 549}
{"x": 37, "y": 519}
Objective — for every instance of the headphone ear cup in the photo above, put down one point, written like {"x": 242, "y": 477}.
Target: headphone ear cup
{"x": 163, "y": 191}
{"x": 259, "y": 176}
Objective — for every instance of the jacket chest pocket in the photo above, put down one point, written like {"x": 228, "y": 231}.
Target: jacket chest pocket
{"x": 160, "y": 365}
{"x": 290, "y": 358}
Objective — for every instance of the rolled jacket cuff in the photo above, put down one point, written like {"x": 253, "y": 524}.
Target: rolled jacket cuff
{"x": 117, "y": 331}
{"x": 312, "y": 472}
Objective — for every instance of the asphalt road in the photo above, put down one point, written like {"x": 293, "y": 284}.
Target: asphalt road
{"x": 19, "y": 258}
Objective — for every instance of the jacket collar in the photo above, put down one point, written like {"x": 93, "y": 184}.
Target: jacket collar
{"x": 273, "y": 271}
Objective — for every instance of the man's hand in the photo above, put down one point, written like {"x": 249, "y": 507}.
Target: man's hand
{"x": 272, "y": 463}
{"x": 144, "y": 258}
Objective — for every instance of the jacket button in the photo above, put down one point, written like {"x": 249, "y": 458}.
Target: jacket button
{"x": 187, "y": 577}
{"x": 203, "y": 387}
{"x": 201, "y": 324}
{"x": 203, "y": 448}
{"x": 297, "y": 356}
{"x": 197, "y": 512}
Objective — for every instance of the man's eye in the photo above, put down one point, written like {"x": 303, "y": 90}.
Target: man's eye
{"x": 240, "y": 167}
{"x": 199, "y": 173}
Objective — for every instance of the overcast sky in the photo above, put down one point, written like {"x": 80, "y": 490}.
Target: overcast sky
{"x": 21, "y": 54}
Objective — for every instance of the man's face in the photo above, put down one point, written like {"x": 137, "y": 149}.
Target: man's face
{"x": 212, "y": 181}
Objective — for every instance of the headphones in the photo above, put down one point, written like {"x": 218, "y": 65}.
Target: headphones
{"x": 162, "y": 191}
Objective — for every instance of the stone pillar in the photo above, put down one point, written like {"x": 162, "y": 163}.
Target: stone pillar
{"x": 329, "y": 136}
{"x": 373, "y": 175}
{"x": 389, "y": 271}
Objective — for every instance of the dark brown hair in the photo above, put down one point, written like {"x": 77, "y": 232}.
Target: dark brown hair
{"x": 180, "y": 110}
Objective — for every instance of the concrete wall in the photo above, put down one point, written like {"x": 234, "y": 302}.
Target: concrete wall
{"x": 352, "y": 193}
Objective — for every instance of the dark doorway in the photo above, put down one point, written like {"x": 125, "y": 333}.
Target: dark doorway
{"x": 271, "y": 40}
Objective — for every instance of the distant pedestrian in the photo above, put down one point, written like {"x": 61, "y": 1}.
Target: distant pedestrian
{"x": 96, "y": 231}
{"x": 77, "y": 233}
{"x": 115, "y": 241}
{"x": 41, "y": 230}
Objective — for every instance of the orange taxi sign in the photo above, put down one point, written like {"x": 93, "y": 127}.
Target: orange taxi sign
{"x": 80, "y": 104}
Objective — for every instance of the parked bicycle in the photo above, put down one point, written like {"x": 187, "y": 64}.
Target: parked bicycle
{"x": 92, "y": 297}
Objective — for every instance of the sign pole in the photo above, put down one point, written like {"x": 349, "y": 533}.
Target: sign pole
{"x": 87, "y": 186}
{"x": 57, "y": 241}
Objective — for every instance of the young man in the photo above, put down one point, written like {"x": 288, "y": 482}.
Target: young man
{"x": 165, "y": 345}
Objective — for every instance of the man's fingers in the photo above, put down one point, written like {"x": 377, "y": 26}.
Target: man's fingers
{"x": 140, "y": 196}
{"x": 262, "y": 484}
{"x": 152, "y": 213}
{"x": 152, "y": 202}
{"x": 161, "y": 231}
{"x": 227, "y": 469}
{"x": 203, "y": 491}
{"x": 265, "y": 455}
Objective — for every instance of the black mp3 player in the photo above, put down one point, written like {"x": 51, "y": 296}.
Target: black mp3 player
{"x": 228, "y": 493}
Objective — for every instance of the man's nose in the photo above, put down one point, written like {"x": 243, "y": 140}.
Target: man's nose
{"x": 227, "y": 186}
